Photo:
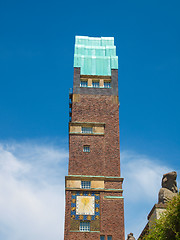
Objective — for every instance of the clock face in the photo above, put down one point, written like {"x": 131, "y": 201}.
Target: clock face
{"x": 85, "y": 205}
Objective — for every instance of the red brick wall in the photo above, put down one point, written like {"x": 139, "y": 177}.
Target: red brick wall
{"x": 81, "y": 163}
{"x": 104, "y": 158}
{"x": 112, "y": 217}
{"x": 67, "y": 215}
{"x": 82, "y": 236}
{"x": 113, "y": 185}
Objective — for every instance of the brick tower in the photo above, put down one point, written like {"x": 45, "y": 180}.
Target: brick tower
{"x": 94, "y": 201}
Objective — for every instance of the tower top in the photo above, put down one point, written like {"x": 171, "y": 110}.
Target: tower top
{"x": 95, "y": 55}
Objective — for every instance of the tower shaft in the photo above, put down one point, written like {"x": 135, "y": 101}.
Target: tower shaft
{"x": 94, "y": 201}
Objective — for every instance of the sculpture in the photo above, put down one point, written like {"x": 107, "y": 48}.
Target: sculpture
{"x": 169, "y": 187}
{"x": 130, "y": 236}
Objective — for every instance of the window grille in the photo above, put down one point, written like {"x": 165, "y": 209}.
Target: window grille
{"x": 86, "y": 129}
{"x": 95, "y": 84}
{"x": 86, "y": 148}
{"x": 84, "y": 226}
{"x": 84, "y": 84}
{"x": 102, "y": 237}
{"x": 86, "y": 184}
{"x": 107, "y": 85}
{"x": 109, "y": 237}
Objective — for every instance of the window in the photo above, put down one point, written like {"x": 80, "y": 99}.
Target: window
{"x": 86, "y": 184}
{"x": 85, "y": 226}
{"x": 102, "y": 237}
{"x": 86, "y": 130}
{"x": 84, "y": 84}
{"x": 107, "y": 84}
{"x": 86, "y": 148}
{"x": 95, "y": 84}
{"x": 109, "y": 237}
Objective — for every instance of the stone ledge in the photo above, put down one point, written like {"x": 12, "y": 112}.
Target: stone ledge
{"x": 89, "y": 134}
{"x": 159, "y": 205}
{"x": 84, "y": 231}
{"x": 94, "y": 189}
{"x": 90, "y": 177}
{"x": 113, "y": 197}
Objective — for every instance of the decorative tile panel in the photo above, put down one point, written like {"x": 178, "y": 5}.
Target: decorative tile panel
{"x": 85, "y": 205}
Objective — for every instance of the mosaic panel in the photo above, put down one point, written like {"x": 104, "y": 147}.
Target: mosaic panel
{"x": 79, "y": 210}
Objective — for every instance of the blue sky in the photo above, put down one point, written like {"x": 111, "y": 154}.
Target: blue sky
{"x": 36, "y": 72}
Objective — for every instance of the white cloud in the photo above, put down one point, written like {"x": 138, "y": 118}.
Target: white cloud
{"x": 142, "y": 176}
{"x": 31, "y": 191}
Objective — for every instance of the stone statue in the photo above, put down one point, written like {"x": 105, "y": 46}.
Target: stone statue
{"x": 169, "y": 187}
{"x": 130, "y": 237}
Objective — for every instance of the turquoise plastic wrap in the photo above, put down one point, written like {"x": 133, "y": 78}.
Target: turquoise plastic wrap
{"x": 95, "y": 55}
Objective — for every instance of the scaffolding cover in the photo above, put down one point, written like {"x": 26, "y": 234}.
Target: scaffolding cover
{"x": 95, "y": 55}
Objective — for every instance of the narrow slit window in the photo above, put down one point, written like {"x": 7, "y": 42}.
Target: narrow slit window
{"x": 86, "y": 148}
{"x": 107, "y": 84}
{"x": 84, "y": 84}
{"x": 86, "y": 184}
{"x": 95, "y": 84}
{"x": 84, "y": 226}
{"x": 87, "y": 130}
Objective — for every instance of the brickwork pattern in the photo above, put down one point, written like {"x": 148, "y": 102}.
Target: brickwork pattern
{"x": 112, "y": 217}
{"x": 113, "y": 185}
{"x": 104, "y": 156}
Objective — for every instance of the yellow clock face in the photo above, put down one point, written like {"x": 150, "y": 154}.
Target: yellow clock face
{"x": 85, "y": 205}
